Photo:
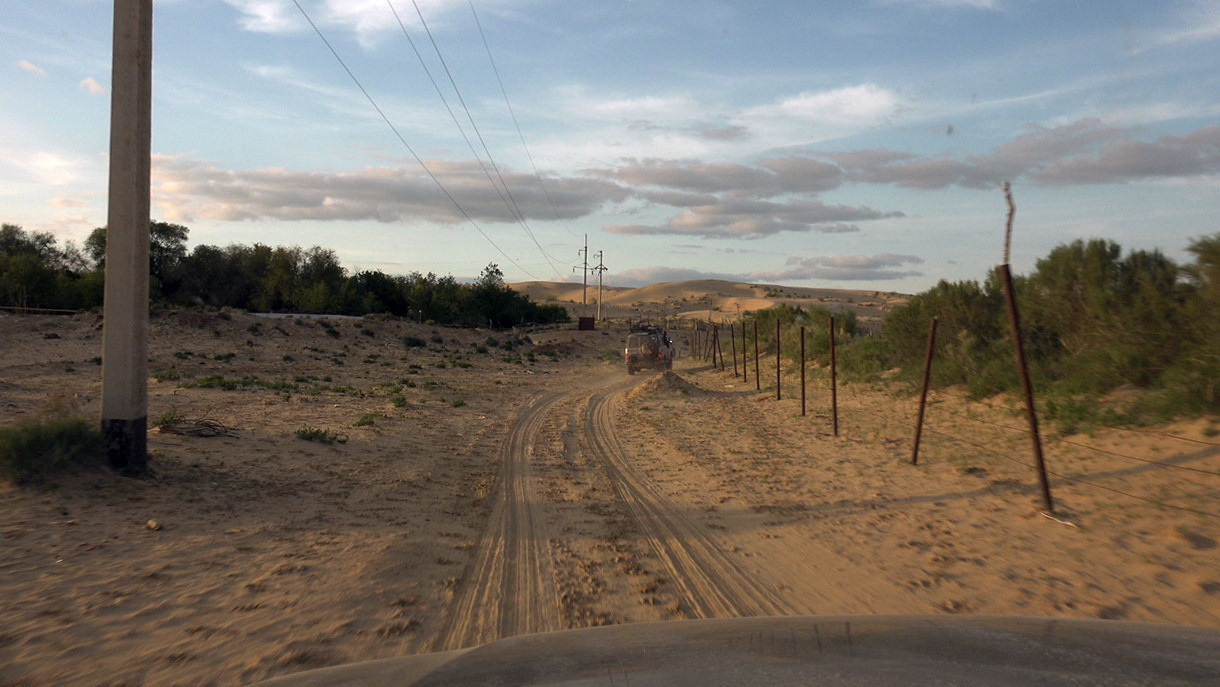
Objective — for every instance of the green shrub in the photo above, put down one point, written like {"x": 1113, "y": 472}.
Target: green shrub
{"x": 413, "y": 342}
{"x": 368, "y": 419}
{"x": 33, "y": 449}
{"x": 166, "y": 375}
{"x": 322, "y": 436}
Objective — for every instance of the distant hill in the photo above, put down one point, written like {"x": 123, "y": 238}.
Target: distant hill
{"x": 708, "y": 299}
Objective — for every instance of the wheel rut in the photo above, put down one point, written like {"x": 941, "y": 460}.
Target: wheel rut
{"x": 709, "y": 582}
{"x": 509, "y": 586}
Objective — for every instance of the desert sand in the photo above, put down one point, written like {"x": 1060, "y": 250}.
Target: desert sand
{"x": 708, "y": 300}
{"x": 480, "y": 492}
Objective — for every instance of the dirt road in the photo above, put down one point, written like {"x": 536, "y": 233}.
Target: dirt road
{"x": 708, "y": 570}
{"x": 480, "y": 486}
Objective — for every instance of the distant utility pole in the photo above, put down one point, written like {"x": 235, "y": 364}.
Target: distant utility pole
{"x": 125, "y": 309}
{"x": 584, "y": 291}
{"x": 599, "y": 269}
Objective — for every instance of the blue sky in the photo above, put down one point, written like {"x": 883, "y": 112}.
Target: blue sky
{"x": 849, "y": 144}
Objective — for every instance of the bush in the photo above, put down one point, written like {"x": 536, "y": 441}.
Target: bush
{"x": 33, "y": 449}
{"x": 413, "y": 342}
{"x": 322, "y": 436}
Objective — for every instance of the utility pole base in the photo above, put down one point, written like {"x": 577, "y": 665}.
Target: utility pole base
{"x": 127, "y": 445}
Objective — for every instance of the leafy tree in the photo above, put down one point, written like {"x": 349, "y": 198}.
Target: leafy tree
{"x": 166, "y": 250}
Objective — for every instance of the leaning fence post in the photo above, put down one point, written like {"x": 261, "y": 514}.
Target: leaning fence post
{"x": 719, "y": 349}
{"x": 757, "y": 379}
{"x": 745, "y": 355}
{"x": 778, "y": 348}
{"x": 733, "y": 345}
{"x": 802, "y": 372}
{"x": 923, "y": 394}
{"x": 1018, "y": 349}
{"x": 834, "y": 383}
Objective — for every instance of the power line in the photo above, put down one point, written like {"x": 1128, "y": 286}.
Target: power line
{"x": 513, "y": 114}
{"x": 405, "y": 144}
{"x": 519, "y": 216}
{"x": 516, "y": 214}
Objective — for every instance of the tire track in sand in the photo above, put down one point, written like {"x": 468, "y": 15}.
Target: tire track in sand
{"x": 708, "y": 581}
{"x": 508, "y": 588}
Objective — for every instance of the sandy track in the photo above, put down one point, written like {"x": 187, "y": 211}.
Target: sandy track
{"x": 710, "y": 582}
{"x": 508, "y": 586}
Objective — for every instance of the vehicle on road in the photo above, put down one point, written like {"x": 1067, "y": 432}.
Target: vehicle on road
{"x": 648, "y": 346}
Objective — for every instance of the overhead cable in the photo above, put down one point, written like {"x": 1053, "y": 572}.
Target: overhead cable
{"x": 513, "y": 114}
{"x": 411, "y": 150}
{"x": 518, "y": 214}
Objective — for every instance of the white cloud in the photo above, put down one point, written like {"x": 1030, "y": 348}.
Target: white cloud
{"x": 1083, "y": 152}
{"x": 645, "y": 108}
{"x": 732, "y": 200}
{"x": 1193, "y": 154}
{"x": 863, "y": 104}
{"x": 845, "y": 268}
{"x": 770, "y": 177}
{"x": 1200, "y": 23}
{"x": 883, "y": 267}
{"x": 368, "y": 19}
{"x": 184, "y": 189}
{"x": 46, "y": 167}
{"x": 91, "y": 86}
{"x": 752, "y": 219}
{"x": 31, "y": 67}
{"x": 267, "y": 16}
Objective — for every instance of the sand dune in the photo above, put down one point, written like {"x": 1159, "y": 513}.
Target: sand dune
{"x": 709, "y": 299}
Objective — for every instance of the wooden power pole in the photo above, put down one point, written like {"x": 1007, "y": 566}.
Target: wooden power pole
{"x": 601, "y": 267}
{"x": 584, "y": 291}
{"x": 125, "y": 332}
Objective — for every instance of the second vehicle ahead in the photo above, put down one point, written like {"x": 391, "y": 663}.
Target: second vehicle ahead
{"x": 648, "y": 346}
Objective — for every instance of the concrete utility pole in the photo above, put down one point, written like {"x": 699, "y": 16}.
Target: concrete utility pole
{"x": 584, "y": 291}
{"x": 125, "y": 332}
{"x": 599, "y": 269}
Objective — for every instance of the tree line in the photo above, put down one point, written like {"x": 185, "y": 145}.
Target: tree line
{"x": 1095, "y": 319}
{"x": 37, "y": 272}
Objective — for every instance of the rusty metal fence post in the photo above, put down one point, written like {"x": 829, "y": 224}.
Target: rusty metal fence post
{"x": 1027, "y": 388}
{"x": 1018, "y": 350}
{"x": 733, "y": 346}
{"x": 923, "y": 394}
{"x": 834, "y": 382}
{"x": 778, "y": 349}
{"x": 757, "y": 378}
{"x": 802, "y": 372}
